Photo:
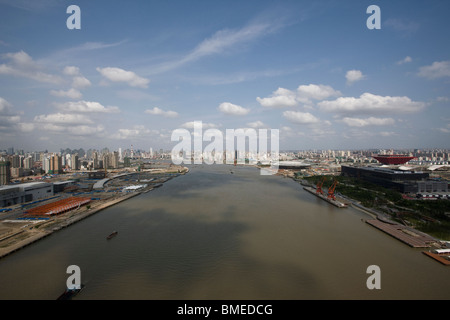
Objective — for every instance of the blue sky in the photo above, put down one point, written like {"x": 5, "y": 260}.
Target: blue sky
{"x": 137, "y": 70}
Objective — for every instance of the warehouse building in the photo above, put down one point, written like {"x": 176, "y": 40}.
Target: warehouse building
{"x": 25, "y": 192}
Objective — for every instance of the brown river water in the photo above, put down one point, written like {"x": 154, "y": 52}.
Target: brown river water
{"x": 213, "y": 234}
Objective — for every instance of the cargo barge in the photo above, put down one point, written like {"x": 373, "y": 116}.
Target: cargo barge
{"x": 70, "y": 293}
{"x": 323, "y": 197}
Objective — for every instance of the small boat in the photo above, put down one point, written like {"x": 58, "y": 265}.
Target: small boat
{"x": 112, "y": 235}
{"x": 70, "y": 293}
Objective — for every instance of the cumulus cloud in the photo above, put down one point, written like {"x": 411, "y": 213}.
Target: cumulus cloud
{"x": 438, "y": 69}
{"x": 300, "y": 117}
{"x": 63, "y": 118}
{"x": 10, "y": 122}
{"x": 137, "y": 131}
{"x": 316, "y": 92}
{"x": 353, "y": 76}
{"x": 86, "y": 106}
{"x": 256, "y": 124}
{"x": 71, "y": 70}
{"x": 159, "y": 112}
{"x": 80, "y": 82}
{"x": 71, "y": 93}
{"x": 407, "y": 59}
{"x": 282, "y": 97}
{"x": 205, "y": 125}
{"x": 371, "y": 121}
{"x": 369, "y": 103}
{"x": 233, "y": 109}
{"x": 22, "y": 65}
{"x": 120, "y": 75}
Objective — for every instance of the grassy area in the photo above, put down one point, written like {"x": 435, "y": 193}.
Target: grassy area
{"x": 428, "y": 216}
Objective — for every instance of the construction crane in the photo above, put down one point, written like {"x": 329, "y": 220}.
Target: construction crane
{"x": 319, "y": 186}
{"x": 331, "y": 190}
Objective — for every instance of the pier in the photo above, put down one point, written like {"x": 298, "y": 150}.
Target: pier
{"x": 411, "y": 237}
{"x": 323, "y": 197}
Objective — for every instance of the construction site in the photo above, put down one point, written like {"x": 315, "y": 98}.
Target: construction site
{"x": 73, "y": 198}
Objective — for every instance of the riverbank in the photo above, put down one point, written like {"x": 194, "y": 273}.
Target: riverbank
{"x": 16, "y": 234}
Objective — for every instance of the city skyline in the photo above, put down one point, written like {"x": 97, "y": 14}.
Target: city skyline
{"x": 132, "y": 74}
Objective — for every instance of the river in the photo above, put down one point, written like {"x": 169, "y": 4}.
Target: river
{"x": 213, "y": 234}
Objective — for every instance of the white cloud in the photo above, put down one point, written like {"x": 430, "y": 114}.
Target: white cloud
{"x": 25, "y": 126}
{"x": 4, "y": 105}
{"x": 387, "y": 133}
{"x": 71, "y": 93}
{"x": 205, "y": 125}
{"x": 22, "y": 65}
{"x": 86, "y": 106}
{"x": 71, "y": 71}
{"x": 281, "y": 98}
{"x": 10, "y": 122}
{"x": 369, "y": 103}
{"x": 80, "y": 82}
{"x": 233, "y": 109}
{"x": 354, "y": 75}
{"x": 137, "y": 131}
{"x": 316, "y": 92}
{"x": 300, "y": 117}
{"x": 120, "y": 75}
{"x": 407, "y": 59}
{"x": 438, "y": 69}
{"x": 222, "y": 41}
{"x": 83, "y": 130}
{"x": 256, "y": 124}
{"x": 63, "y": 118}
{"x": 358, "y": 122}
{"x": 159, "y": 112}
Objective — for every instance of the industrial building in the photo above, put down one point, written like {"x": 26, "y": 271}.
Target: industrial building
{"x": 404, "y": 181}
{"x": 25, "y": 192}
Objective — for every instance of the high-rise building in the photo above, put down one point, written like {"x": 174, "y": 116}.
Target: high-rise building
{"x": 16, "y": 161}
{"x": 46, "y": 164}
{"x": 114, "y": 160}
{"x": 55, "y": 164}
{"x": 95, "y": 160}
{"x": 28, "y": 162}
{"x": 74, "y": 162}
{"x": 5, "y": 172}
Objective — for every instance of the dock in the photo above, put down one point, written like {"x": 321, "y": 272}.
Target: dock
{"x": 410, "y": 236}
{"x": 438, "y": 257}
{"x": 323, "y": 197}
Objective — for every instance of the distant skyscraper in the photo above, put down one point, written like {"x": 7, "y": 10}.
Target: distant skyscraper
{"x": 120, "y": 154}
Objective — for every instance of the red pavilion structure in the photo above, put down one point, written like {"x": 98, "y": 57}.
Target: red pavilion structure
{"x": 393, "y": 159}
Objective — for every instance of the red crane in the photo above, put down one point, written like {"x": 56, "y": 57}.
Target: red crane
{"x": 319, "y": 186}
{"x": 331, "y": 190}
